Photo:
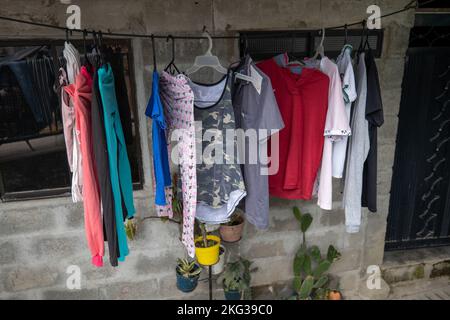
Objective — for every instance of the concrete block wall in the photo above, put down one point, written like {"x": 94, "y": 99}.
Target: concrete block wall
{"x": 39, "y": 239}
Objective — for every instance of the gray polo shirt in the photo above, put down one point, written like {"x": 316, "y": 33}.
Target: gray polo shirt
{"x": 258, "y": 111}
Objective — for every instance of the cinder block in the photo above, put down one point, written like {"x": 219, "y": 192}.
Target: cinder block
{"x": 75, "y": 294}
{"x": 16, "y": 222}
{"x": 58, "y": 247}
{"x": 156, "y": 265}
{"x": 7, "y": 252}
{"x": 73, "y": 215}
{"x": 25, "y": 278}
{"x": 264, "y": 249}
{"x": 141, "y": 290}
{"x": 349, "y": 260}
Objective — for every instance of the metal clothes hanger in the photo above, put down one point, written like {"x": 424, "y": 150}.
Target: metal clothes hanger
{"x": 171, "y": 67}
{"x": 154, "y": 53}
{"x": 207, "y": 60}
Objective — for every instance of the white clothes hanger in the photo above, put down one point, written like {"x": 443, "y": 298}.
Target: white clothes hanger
{"x": 320, "y": 49}
{"x": 255, "y": 78}
{"x": 207, "y": 60}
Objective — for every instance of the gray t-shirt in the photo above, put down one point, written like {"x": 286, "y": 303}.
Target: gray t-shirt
{"x": 357, "y": 153}
{"x": 258, "y": 112}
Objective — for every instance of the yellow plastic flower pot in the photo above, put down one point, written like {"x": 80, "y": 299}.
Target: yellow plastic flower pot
{"x": 208, "y": 256}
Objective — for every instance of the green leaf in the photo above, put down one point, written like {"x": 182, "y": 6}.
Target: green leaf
{"x": 301, "y": 251}
{"x": 297, "y": 214}
{"x": 307, "y": 265}
{"x": 323, "y": 280}
{"x": 322, "y": 268}
{"x": 315, "y": 253}
{"x": 305, "y": 222}
{"x": 306, "y": 288}
{"x": 298, "y": 264}
{"x": 332, "y": 254}
{"x": 297, "y": 284}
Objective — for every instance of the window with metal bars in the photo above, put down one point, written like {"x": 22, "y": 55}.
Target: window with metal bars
{"x": 33, "y": 160}
{"x": 265, "y": 44}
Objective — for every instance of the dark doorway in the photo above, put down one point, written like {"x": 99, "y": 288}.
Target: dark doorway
{"x": 419, "y": 211}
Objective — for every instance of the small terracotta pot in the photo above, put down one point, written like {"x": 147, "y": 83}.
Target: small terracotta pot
{"x": 232, "y": 233}
{"x": 334, "y": 295}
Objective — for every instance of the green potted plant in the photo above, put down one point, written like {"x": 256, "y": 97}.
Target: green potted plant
{"x": 236, "y": 280}
{"x": 188, "y": 273}
{"x": 310, "y": 267}
{"x": 207, "y": 248}
{"x": 232, "y": 231}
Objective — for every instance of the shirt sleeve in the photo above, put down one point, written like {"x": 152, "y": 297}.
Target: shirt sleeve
{"x": 271, "y": 119}
{"x": 374, "y": 105}
{"x": 337, "y": 124}
{"x": 348, "y": 83}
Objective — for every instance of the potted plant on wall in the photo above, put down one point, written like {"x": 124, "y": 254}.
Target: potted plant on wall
{"x": 310, "y": 267}
{"x": 207, "y": 248}
{"x": 232, "y": 231}
{"x": 188, "y": 273}
{"x": 236, "y": 280}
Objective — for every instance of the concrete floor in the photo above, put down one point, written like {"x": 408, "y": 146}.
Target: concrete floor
{"x": 436, "y": 289}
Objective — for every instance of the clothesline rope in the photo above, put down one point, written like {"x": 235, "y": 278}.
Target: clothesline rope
{"x": 411, "y": 5}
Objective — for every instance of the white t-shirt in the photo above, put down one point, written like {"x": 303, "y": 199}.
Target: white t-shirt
{"x": 336, "y": 127}
{"x": 345, "y": 67}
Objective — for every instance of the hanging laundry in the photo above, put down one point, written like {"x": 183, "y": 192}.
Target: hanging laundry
{"x": 220, "y": 183}
{"x": 102, "y": 162}
{"x": 336, "y": 127}
{"x": 68, "y": 116}
{"x": 345, "y": 67}
{"x": 358, "y": 149}
{"x": 257, "y": 111}
{"x": 81, "y": 93}
{"x": 115, "y": 58}
{"x": 18, "y": 65}
{"x": 374, "y": 115}
{"x": 178, "y": 100}
{"x": 73, "y": 62}
{"x": 43, "y": 78}
{"x": 73, "y": 67}
{"x": 160, "y": 156}
{"x": 119, "y": 164}
{"x": 303, "y": 103}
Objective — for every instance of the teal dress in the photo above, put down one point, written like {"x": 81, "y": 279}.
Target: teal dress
{"x": 119, "y": 165}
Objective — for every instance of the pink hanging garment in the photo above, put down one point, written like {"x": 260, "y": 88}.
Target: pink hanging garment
{"x": 81, "y": 93}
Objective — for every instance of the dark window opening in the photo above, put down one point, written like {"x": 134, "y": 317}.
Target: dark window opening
{"x": 33, "y": 160}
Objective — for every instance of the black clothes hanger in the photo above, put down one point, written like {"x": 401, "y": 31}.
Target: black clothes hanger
{"x": 154, "y": 52}
{"x": 86, "y": 59}
{"x": 346, "y": 35}
{"x": 67, "y": 34}
{"x": 171, "y": 67}
{"x": 362, "y": 43}
{"x": 101, "y": 50}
